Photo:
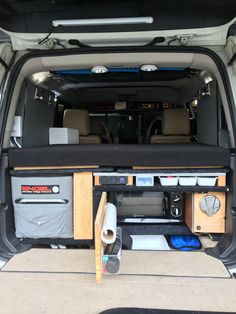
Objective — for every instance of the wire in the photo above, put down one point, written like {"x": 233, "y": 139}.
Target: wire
{"x": 172, "y": 41}
{"x": 58, "y": 43}
{"x": 44, "y": 39}
{"x": 47, "y": 37}
{"x": 16, "y": 143}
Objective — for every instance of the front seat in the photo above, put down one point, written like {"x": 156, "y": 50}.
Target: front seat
{"x": 97, "y": 126}
{"x": 79, "y": 119}
{"x": 153, "y": 128}
{"x": 175, "y": 127}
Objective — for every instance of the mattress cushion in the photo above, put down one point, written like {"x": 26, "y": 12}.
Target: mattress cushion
{"x": 121, "y": 155}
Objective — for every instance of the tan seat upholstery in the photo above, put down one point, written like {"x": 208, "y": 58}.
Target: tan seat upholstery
{"x": 98, "y": 127}
{"x": 79, "y": 119}
{"x": 148, "y": 133}
{"x": 175, "y": 127}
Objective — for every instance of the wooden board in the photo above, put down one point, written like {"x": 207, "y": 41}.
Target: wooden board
{"x": 198, "y": 221}
{"x": 83, "y": 205}
{"x": 221, "y": 181}
{"x": 98, "y": 241}
{"x": 56, "y": 167}
{"x": 96, "y": 180}
{"x": 130, "y": 180}
{"x": 37, "y": 293}
{"x": 188, "y": 210}
{"x": 136, "y": 263}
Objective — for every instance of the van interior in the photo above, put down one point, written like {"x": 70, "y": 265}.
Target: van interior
{"x": 153, "y": 139}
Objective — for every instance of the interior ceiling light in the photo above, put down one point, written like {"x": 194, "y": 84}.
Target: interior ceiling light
{"x": 98, "y": 69}
{"x": 206, "y": 77}
{"x": 40, "y": 76}
{"x": 105, "y": 21}
{"x": 148, "y": 68}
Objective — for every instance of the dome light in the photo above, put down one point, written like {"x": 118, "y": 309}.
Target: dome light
{"x": 148, "y": 68}
{"x": 99, "y": 69}
{"x": 205, "y": 76}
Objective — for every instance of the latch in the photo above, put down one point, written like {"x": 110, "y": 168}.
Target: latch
{"x": 52, "y": 43}
{"x": 184, "y": 39}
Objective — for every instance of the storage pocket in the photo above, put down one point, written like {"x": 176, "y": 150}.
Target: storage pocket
{"x": 43, "y": 221}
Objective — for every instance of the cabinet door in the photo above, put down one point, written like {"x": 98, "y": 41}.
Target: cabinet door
{"x": 202, "y": 222}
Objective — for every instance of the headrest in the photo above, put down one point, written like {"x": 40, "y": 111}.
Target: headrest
{"x": 77, "y": 119}
{"x": 175, "y": 122}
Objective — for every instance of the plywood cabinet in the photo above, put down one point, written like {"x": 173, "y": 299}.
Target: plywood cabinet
{"x": 83, "y": 205}
{"x": 199, "y": 221}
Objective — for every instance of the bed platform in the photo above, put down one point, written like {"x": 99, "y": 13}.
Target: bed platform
{"x": 160, "y": 155}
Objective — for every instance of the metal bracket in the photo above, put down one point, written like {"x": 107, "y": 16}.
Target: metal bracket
{"x": 183, "y": 40}
{"x": 37, "y": 96}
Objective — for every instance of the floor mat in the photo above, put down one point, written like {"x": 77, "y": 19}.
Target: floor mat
{"x": 156, "y": 263}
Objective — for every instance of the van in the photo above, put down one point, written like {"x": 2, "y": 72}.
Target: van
{"x": 118, "y": 131}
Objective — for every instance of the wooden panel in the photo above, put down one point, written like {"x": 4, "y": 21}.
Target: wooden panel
{"x": 130, "y": 180}
{"x": 96, "y": 180}
{"x": 221, "y": 181}
{"x": 189, "y": 210}
{"x": 56, "y": 167}
{"x": 198, "y": 221}
{"x": 83, "y": 205}
{"x": 98, "y": 241}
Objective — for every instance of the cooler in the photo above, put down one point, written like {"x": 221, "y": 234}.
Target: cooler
{"x": 43, "y": 206}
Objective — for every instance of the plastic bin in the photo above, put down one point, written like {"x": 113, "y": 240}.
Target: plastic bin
{"x": 188, "y": 181}
{"x": 207, "y": 181}
{"x": 168, "y": 181}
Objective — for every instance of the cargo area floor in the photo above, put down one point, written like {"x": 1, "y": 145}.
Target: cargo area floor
{"x": 153, "y": 263}
{"x": 63, "y": 281}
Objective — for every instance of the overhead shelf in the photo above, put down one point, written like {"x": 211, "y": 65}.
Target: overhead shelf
{"x": 160, "y": 188}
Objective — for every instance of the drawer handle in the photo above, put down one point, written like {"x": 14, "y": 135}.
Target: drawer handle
{"x": 41, "y": 201}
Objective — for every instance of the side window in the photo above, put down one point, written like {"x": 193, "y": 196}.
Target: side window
{"x": 36, "y": 110}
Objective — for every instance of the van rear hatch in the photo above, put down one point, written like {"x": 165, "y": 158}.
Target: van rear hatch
{"x": 117, "y": 22}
